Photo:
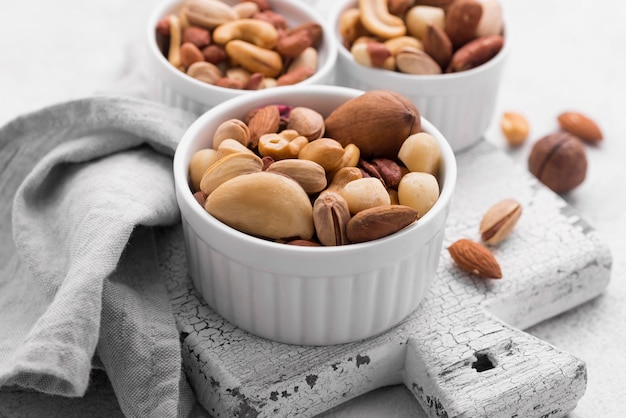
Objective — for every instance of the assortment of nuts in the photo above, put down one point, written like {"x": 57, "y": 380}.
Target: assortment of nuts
{"x": 288, "y": 174}
{"x": 557, "y": 159}
{"x": 423, "y": 37}
{"x": 243, "y": 46}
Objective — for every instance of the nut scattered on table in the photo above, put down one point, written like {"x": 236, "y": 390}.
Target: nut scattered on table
{"x": 559, "y": 161}
{"x": 499, "y": 221}
{"x": 475, "y": 258}
{"x": 580, "y": 125}
{"x": 515, "y": 128}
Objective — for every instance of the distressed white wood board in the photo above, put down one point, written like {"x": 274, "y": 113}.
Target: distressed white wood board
{"x": 462, "y": 353}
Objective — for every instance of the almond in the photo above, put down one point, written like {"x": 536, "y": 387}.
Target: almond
{"x": 475, "y": 258}
{"x": 580, "y": 125}
{"x": 379, "y": 221}
{"x": 264, "y": 120}
{"x": 437, "y": 44}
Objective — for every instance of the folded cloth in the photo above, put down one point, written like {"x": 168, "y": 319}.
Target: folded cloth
{"x": 83, "y": 183}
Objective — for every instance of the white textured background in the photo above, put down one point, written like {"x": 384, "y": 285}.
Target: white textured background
{"x": 565, "y": 55}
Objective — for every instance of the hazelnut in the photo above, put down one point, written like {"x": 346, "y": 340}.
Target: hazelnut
{"x": 559, "y": 161}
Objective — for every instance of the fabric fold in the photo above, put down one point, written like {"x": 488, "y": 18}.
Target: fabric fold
{"x": 83, "y": 183}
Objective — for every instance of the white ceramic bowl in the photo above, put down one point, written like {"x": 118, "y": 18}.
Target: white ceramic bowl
{"x": 174, "y": 88}
{"x": 307, "y": 295}
{"x": 461, "y": 105}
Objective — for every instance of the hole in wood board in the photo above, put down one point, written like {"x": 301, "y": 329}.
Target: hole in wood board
{"x": 483, "y": 362}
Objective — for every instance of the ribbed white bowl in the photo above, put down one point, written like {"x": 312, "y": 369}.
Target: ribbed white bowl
{"x": 307, "y": 295}
{"x": 174, "y": 88}
{"x": 461, "y": 105}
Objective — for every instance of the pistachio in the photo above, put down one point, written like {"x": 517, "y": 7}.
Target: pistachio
{"x": 233, "y": 129}
{"x": 330, "y": 217}
{"x": 228, "y": 167}
{"x": 499, "y": 221}
{"x": 309, "y": 174}
{"x": 307, "y": 122}
{"x": 281, "y": 209}
{"x": 200, "y": 161}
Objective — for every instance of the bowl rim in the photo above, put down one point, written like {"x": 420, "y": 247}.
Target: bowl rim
{"x": 200, "y": 89}
{"x": 398, "y": 77}
{"x": 189, "y": 204}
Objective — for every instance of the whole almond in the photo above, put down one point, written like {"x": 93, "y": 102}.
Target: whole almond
{"x": 437, "y": 44}
{"x": 580, "y": 125}
{"x": 265, "y": 120}
{"x": 379, "y": 221}
{"x": 475, "y": 258}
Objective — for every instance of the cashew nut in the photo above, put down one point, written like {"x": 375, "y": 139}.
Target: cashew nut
{"x": 255, "y": 31}
{"x": 376, "y": 18}
{"x": 254, "y": 58}
{"x": 173, "y": 55}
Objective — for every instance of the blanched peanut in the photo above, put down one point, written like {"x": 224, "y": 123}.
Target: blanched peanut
{"x": 419, "y": 191}
{"x": 421, "y": 152}
{"x": 365, "y": 193}
{"x": 200, "y": 161}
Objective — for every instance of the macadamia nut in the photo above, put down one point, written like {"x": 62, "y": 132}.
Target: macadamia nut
{"x": 419, "y": 191}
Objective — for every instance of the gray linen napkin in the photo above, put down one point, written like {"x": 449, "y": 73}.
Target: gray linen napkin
{"x": 82, "y": 184}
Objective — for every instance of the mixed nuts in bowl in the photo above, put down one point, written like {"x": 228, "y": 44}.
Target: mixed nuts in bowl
{"x": 204, "y": 52}
{"x": 446, "y": 56}
{"x": 290, "y": 287}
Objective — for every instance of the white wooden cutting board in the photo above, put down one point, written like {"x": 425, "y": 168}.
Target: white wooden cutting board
{"x": 461, "y": 353}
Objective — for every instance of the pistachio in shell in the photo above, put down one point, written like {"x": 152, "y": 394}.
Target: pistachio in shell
{"x": 377, "y": 122}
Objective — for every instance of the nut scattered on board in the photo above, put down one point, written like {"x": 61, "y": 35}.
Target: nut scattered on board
{"x": 580, "y": 125}
{"x": 559, "y": 161}
{"x": 499, "y": 221}
{"x": 515, "y": 128}
{"x": 475, "y": 258}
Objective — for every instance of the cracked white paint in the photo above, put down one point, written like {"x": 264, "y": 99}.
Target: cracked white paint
{"x": 552, "y": 262}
